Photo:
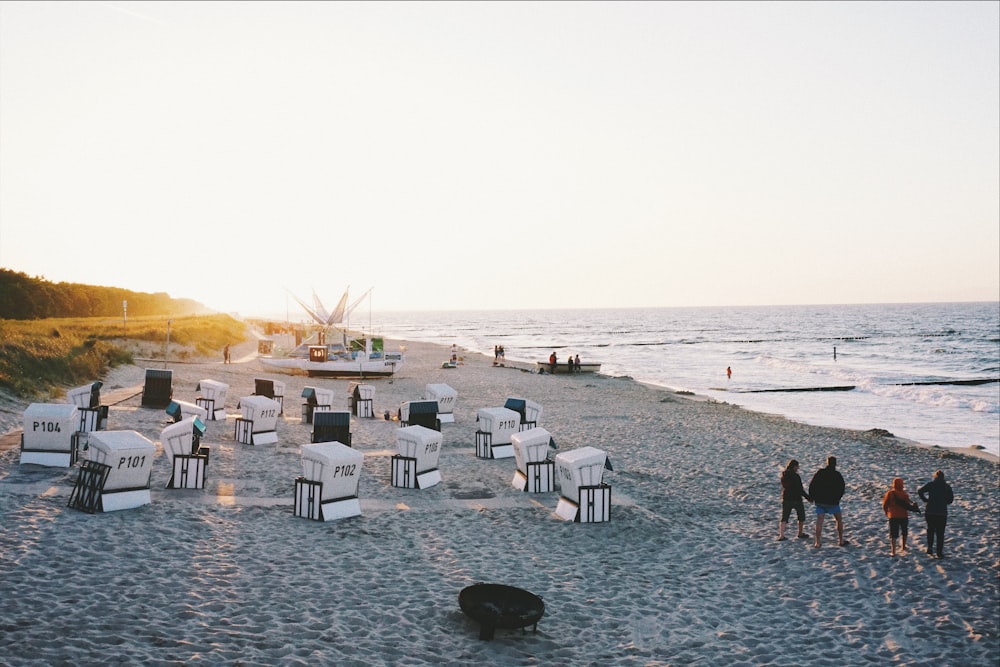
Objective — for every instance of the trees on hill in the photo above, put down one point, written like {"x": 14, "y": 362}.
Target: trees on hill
{"x": 24, "y": 298}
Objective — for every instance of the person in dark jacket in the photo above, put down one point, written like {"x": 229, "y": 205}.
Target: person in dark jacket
{"x": 938, "y": 495}
{"x": 826, "y": 490}
{"x": 792, "y": 494}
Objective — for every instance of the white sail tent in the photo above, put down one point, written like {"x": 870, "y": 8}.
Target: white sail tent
{"x": 319, "y": 312}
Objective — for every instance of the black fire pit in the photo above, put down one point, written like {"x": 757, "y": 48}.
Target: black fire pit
{"x": 498, "y": 606}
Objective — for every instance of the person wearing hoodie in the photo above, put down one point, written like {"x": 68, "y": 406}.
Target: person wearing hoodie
{"x": 792, "y": 494}
{"x": 938, "y": 495}
{"x": 826, "y": 490}
{"x": 897, "y": 506}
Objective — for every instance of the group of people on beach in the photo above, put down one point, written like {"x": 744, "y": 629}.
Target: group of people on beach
{"x": 498, "y": 354}
{"x": 572, "y": 364}
{"x": 827, "y": 488}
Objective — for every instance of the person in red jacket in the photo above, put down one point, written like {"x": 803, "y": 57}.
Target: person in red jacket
{"x": 897, "y": 505}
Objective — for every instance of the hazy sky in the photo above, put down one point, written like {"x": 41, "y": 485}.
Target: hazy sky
{"x": 505, "y": 155}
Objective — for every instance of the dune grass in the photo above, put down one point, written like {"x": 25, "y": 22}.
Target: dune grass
{"x": 37, "y": 356}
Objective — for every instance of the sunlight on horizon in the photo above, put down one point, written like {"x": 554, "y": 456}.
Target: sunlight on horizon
{"x": 463, "y": 156}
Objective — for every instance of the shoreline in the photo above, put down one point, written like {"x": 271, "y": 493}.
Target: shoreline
{"x": 687, "y": 570}
{"x": 9, "y": 438}
{"x": 972, "y": 450}
{"x": 10, "y": 428}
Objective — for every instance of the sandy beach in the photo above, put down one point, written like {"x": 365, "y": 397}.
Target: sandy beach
{"x": 686, "y": 572}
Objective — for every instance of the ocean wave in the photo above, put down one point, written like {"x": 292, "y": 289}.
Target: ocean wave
{"x": 884, "y": 352}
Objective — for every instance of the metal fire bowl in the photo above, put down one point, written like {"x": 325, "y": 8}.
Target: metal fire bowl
{"x": 499, "y": 606}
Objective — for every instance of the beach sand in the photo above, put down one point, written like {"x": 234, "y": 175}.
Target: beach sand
{"x": 686, "y": 572}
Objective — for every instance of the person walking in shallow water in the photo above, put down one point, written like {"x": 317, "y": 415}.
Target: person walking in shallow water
{"x": 938, "y": 495}
{"x": 792, "y": 494}
{"x": 729, "y": 372}
{"x": 897, "y": 505}
{"x": 826, "y": 489}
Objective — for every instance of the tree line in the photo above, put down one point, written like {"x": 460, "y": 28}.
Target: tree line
{"x": 23, "y": 297}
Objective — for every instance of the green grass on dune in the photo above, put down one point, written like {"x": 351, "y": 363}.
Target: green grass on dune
{"x": 39, "y": 356}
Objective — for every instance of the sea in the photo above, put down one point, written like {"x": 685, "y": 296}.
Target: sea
{"x": 925, "y": 372}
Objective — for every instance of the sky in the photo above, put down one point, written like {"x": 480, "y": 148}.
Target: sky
{"x": 504, "y": 155}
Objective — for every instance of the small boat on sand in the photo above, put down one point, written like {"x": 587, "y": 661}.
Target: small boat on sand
{"x": 563, "y": 367}
{"x": 358, "y": 355}
{"x": 362, "y": 357}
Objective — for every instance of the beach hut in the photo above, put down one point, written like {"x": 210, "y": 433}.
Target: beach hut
{"x": 535, "y": 472}
{"x": 332, "y": 426}
{"x": 493, "y": 437}
{"x": 116, "y": 474}
{"x": 318, "y": 399}
{"x": 419, "y": 413}
{"x": 158, "y": 388}
{"x": 531, "y": 412}
{"x": 416, "y": 464}
{"x": 87, "y": 399}
{"x": 50, "y": 434}
{"x": 328, "y": 487}
{"x": 258, "y": 420}
{"x": 584, "y": 497}
{"x": 182, "y": 410}
{"x": 273, "y": 389}
{"x": 361, "y": 399}
{"x": 188, "y": 458}
{"x": 446, "y": 398}
{"x": 213, "y": 398}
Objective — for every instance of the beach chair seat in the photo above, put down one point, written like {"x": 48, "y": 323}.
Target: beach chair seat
{"x": 273, "y": 389}
{"x": 361, "y": 399}
{"x": 530, "y": 411}
{"x": 318, "y": 399}
{"x": 420, "y": 413}
{"x": 212, "y": 398}
{"x": 181, "y": 443}
{"x": 328, "y": 488}
{"x": 86, "y": 494}
{"x": 157, "y": 390}
{"x": 584, "y": 497}
{"x": 332, "y": 426}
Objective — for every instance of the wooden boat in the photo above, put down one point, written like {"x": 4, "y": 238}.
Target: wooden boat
{"x": 362, "y": 357}
{"x": 563, "y": 367}
{"x": 356, "y": 356}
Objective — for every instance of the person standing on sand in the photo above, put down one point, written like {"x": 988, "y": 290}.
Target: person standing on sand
{"x": 552, "y": 363}
{"x": 792, "y": 494}
{"x": 225, "y": 354}
{"x": 938, "y": 495}
{"x": 569, "y": 364}
{"x": 826, "y": 489}
{"x": 897, "y": 504}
